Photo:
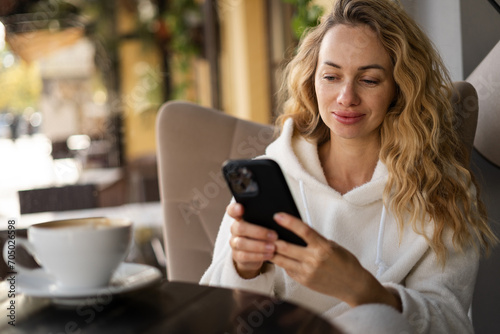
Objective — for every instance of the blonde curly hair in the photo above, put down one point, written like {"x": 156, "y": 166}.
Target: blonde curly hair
{"x": 429, "y": 178}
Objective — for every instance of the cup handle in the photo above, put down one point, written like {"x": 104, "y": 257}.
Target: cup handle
{"x": 9, "y": 254}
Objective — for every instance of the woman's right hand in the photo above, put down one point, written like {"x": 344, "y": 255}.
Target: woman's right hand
{"x": 252, "y": 244}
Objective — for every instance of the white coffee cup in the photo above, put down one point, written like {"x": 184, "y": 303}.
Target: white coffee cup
{"x": 76, "y": 253}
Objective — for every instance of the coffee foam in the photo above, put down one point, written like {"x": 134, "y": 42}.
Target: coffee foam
{"x": 93, "y": 222}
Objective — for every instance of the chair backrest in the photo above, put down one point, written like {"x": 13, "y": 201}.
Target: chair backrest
{"x": 193, "y": 142}
{"x": 486, "y": 78}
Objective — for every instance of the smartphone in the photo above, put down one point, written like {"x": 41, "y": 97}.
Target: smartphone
{"x": 260, "y": 186}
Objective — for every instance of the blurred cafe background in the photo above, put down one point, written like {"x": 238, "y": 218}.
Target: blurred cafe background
{"x": 81, "y": 82}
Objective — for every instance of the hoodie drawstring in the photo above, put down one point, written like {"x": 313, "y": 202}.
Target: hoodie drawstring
{"x": 304, "y": 202}
{"x": 382, "y": 266}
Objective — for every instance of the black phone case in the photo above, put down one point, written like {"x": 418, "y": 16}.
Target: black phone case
{"x": 259, "y": 185}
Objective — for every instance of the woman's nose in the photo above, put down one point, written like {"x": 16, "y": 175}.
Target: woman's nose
{"x": 347, "y": 95}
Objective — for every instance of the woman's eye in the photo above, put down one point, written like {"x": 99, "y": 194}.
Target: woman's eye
{"x": 329, "y": 77}
{"x": 370, "y": 82}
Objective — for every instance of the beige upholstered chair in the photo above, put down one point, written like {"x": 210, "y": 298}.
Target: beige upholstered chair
{"x": 193, "y": 142}
{"x": 486, "y": 79}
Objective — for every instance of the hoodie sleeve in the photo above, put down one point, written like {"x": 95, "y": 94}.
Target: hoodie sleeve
{"x": 223, "y": 273}
{"x": 436, "y": 298}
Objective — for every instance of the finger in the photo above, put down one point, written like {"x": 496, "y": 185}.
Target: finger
{"x": 235, "y": 210}
{"x": 313, "y": 256}
{"x": 291, "y": 266}
{"x": 290, "y": 251}
{"x": 249, "y": 257}
{"x": 249, "y": 245}
{"x": 297, "y": 226}
{"x": 245, "y": 229}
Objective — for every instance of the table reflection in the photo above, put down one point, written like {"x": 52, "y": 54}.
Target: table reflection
{"x": 164, "y": 307}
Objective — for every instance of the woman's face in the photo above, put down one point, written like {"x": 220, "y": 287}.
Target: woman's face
{"x": 354, "y": 82}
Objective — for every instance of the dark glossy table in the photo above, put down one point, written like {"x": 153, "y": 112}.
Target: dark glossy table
{"x": 167, "y": 307}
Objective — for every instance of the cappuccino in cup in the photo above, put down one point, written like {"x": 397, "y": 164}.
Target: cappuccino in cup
{"x": 77, "y": 253}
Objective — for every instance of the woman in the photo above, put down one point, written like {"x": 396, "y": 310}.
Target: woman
{"x": 368, "y": 143}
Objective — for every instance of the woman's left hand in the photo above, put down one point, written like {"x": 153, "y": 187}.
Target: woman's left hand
{"x": 327, "y": 267}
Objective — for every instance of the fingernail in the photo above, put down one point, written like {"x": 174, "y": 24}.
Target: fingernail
{"x": 279, "y": 216}
{"x": 272, "y": 236}
{"x": 269, "y": 247}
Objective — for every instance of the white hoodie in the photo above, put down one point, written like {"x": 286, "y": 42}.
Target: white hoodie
{"x": 435, "y": 299}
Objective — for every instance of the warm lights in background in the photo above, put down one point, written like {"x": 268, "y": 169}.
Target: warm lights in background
{"x": 2, "y": 36}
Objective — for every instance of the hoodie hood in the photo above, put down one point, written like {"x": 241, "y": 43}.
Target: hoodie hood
{"x": 298, "y": 157}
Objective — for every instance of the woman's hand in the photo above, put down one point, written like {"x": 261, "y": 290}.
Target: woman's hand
{"x": 252, "y": 244}
{"x": 326, "y": 267}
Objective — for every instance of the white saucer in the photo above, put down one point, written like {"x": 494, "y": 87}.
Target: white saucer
{"x": 128, "y": 277}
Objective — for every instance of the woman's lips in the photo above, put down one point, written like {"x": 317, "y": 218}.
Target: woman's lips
{"x": 347, "y": 118}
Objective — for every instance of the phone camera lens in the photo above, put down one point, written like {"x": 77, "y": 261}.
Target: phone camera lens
{"x": 245, "y": 172}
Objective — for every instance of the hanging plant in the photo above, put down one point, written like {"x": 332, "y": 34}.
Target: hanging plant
{"x": 306, "y": 15}
{"x": 183, "y": 23}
